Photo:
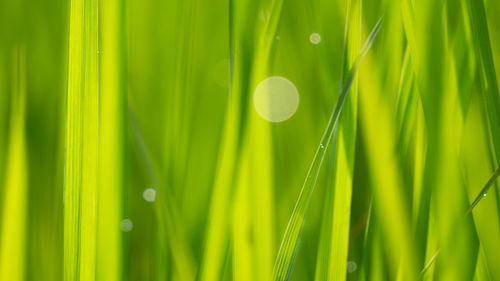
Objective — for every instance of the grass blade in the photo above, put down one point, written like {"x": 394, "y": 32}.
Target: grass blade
{"x": 289, "y": 245}
{"x": 480, "y": 196}
{"x": 15, "y": 192}
{"x": 80, "y": 186}
{"x": 484, "y": 190}
{"x": 111, "y": 141}
{"x": 333, "y": 253}
{"x": 482, "y": 44}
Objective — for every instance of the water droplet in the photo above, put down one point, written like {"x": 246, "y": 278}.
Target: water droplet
{"x": 149, "y": 194}
{"x": 276, "y": 99}
{"x": 321, "y": 146}
{"x": 484, "y": 194}
{"x": 126, "y": 225}
{"x": 351, "y": 266}
{"x": 278, "y": 37}
{"x": 315, "y": 38}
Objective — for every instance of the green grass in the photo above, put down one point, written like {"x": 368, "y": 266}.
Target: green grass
{"x": 388, "y": 169}
{"x": 14, "y": 207}
{"x": 81, "y": 155}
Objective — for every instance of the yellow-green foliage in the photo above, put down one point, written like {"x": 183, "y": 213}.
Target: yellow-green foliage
{"x": 15, "y": 196}
{"x": 111, "y": 143}
{"x": 81, "y": 157}
{"x": 137, "y": 141}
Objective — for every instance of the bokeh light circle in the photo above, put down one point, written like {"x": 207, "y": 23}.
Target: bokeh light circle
{"x": 315, "y": 38}
{"x": 276, "y": 99}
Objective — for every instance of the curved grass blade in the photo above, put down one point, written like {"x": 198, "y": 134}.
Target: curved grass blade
{"x": 285, "y": 260}
{"x": 334, "y": 242}
{"x": 480, "y": 196}
{"x": 484, "y": 190}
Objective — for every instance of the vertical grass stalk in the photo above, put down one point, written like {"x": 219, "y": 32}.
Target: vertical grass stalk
{"x": 80, "y": 178}
{"x": 111, "y": 140}
{"x": 15, "y": 189}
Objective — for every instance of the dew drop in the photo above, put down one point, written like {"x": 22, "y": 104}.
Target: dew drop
{"x": 321, "y": 146}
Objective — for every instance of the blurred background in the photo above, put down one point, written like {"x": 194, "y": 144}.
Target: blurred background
{"x": 208, "y": 181}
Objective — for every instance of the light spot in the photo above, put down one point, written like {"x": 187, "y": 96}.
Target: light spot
{"x": 484, "y": 194}
{"x": 264, "y": 15}
{"x": 351, "y": 266}
{"x": 276, "y": 99}
{"x": 315, "y": 38}
{"x": 321, "y": 146}
{"x": 149, "y": 194}
{"x": 126, "y": 225}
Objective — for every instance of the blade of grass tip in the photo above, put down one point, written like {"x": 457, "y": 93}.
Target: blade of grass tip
{"x": 480, "y": 196}
{"x": 111, "y": 141}
{"x": 489, "y": 83}
{"x": 14, "y": 197}
{"x": 80, "y": 179}
{"x": 285, "y": 259}
{"x": 337, "y": 240}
